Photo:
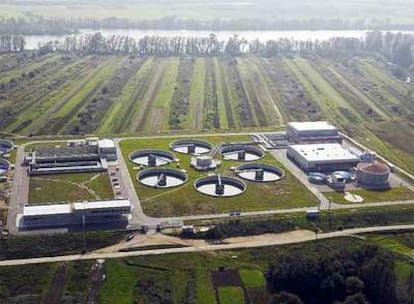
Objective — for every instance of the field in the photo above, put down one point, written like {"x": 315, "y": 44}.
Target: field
{"x": 396, "y": 12}
{"x": 69, "y": 188}
{"x": 184, "y": 200}
{"x": 54, "y": 94}
{"x": 183, "y": 278}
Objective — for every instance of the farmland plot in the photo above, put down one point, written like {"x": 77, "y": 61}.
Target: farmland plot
{"x": 292, "y": 94}
{"x": 197, "y": 95}
{"x": 180, "y": 99}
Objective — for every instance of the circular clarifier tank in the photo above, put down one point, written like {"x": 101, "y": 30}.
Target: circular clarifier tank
{"x": 260, "y": 173}
{"x": 241, "y": 153}
{"x": 4, "y": 166}
{"x": 162, "y": 178}
{"x": 6, "y": 146}
{"x": 219, "y": 186}
{"x": 152, "y": 158}
{"x": 191, "y": 146}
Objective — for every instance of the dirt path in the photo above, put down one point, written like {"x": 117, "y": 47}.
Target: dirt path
{"x": 54, "y": 294}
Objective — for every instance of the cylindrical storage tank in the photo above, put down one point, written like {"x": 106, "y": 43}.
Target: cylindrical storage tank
{"x": 6, "y": 146}
{"x": 373, "y": 174}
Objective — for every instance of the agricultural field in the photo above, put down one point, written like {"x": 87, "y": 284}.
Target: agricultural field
{"x": 58, "y": 94}
{"x": 69, "y": 188}
{"x": 185, "y": 200}
{"x": 204, "y": 277}
{"x": 396, "y": 12}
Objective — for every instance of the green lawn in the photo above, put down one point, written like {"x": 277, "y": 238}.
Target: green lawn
{"x": 252, "y": 278}
{"x": 69, "y": 188}
{"x": 119, "y": 285}
{"x": 231, "y": 295}
{"x": 184, "y": 200}
{"x": 388, "y": 242}
{"x": 370, "y": 196}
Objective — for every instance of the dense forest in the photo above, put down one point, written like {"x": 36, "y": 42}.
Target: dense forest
{"x": 397, "y": 48}
{"x": 364, "y": 275}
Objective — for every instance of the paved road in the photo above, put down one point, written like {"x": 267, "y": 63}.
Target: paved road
{"x": 20, "y": 190}
{"x": 292, "y": 240}
{"x": 137, "y": 214}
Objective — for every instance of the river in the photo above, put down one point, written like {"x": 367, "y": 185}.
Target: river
{"x": 33, "y": 41}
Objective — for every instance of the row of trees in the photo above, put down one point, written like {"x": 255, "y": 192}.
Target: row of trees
{"x": 396, "y": 47}
{"x": 33, "y": 24}
{"x": 11, "y": 43}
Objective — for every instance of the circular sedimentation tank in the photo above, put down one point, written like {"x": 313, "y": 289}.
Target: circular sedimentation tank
{"x": 4, "y": 166}
{"x": 152, "y": 158}
{"x": 219, "y": 186}
{"x": 241, "y": 153}
{"x": 162, "y": 178}
{"x": 6, "y": 146}
{"x": 260, "y": 173}
{"x": 191, "y": 146}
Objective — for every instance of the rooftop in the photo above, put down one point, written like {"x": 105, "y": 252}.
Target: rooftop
{"x": 312, "y": 125}
{"x": 374, "y": 168}
{"x": 106, "y": 143}
{"x": 101, "y": 205}
{"x": 324, "y": 152}
{"x": 46, "y": 209}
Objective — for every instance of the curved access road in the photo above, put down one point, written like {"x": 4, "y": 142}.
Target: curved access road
{"x": 250, "y": 244}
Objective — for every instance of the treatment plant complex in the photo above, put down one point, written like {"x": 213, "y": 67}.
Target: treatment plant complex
{"x": 223, "y": 172}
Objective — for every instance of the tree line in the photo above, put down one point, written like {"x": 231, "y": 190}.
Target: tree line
{"x": 38, "y": 25}
{"x": 397, "y": 48}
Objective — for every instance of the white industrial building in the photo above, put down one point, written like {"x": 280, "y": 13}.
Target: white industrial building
{"x": 312, "y": 132}
{"x": 322, "y": 157}
{"x": 73, "y": 214}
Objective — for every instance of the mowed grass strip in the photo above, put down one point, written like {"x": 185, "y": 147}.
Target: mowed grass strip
{"x": 127, "y": 98}
{"x": 161, "y": 105}
{"x": 388, "y": 242}
{"x": 252, "y": 278}
{"x": 231, "y": 295}
{"x": 371, "y": 196}
{"x": 197, "y": 96}
{"x": 78, "y": 104}
{"x": 263, "y": 91}
{"x": 224, "y": 110}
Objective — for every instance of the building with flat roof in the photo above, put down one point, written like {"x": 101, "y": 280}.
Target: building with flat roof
{"x": 312, "y": 132}
{"x": 76, "y": 157}
{"x": 322, "y": 157}
{"x": 73, "y": 214}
